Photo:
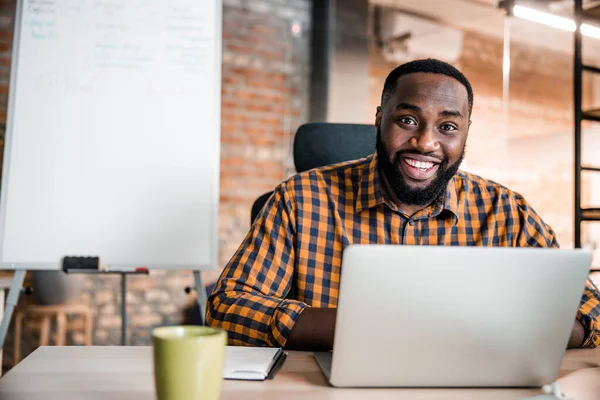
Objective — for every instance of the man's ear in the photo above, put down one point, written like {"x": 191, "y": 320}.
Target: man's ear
{"x": 378, "y": 117}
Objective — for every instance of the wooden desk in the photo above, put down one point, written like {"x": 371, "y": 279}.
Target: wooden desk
{"x": 90, "y": 373}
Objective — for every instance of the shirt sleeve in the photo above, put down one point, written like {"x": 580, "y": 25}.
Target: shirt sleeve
{"x": 535, "y": 233}
{"x": 249, "y": 300}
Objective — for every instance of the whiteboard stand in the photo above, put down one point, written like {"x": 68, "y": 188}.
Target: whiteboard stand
{"x": 123, "y": 309}
{"x": 16, "y": 286}
{"x": 201, "y": 295}
{"x": 123, "y": 274}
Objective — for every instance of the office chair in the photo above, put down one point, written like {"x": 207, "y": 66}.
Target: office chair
{"x": 318, "y": 144}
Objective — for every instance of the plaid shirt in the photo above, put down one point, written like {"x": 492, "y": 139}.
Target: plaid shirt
{"x": 291, "y": 257}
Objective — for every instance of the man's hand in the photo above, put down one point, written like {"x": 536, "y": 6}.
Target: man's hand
{"x": 577, "y": 335}
{"x": 313, "y": 330}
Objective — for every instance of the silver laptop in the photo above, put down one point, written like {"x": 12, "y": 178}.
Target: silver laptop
{"x": 429, "y": 316}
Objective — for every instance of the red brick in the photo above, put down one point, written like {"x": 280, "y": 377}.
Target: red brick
{"x": 270, "y": 122}
{"x": 266, "y": 108}
{"x": 255, "y": 132}
{"x": 262, "y": 30}
{"x": 229, "y": 80}
{"x": 230, "y": 115}
{"x": 239, "y": 49}
{"x": 270, "y": 55}
{"x": 232, "y": 162}
{"x": 234, "y": 140}
{"x": 5, "y": 46}
{"x": 6, "y": 35}
{"x": 229, "y": 105}
{"x": 264, "y": 141}
{"x": 246, "y": 72}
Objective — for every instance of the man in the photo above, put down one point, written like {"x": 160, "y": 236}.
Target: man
{"x": 281, "y": 286}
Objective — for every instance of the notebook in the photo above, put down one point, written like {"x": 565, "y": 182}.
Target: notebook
{"x": 251, "y": 363}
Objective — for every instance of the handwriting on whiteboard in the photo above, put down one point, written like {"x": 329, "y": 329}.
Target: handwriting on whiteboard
{"x": 41, "y": 7}
{"x": 117, "y": 44}
{"x": 107, "y": 84}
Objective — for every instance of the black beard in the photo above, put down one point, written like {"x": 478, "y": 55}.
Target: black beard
{"x": 390, "y": 167}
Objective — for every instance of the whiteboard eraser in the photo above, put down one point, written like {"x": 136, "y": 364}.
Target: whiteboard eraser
{"x": 73, "y": 262}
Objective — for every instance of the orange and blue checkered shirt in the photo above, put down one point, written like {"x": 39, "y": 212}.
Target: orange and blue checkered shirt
{"x": 291, "y": 257}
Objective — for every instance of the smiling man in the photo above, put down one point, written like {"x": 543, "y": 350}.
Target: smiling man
{"x": 281, "y": 286}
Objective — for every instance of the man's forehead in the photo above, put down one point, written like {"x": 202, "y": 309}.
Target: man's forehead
{"x": 431, "y": 87}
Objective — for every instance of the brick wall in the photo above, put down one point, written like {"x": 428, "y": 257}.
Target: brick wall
{"x": 264, "y": 99}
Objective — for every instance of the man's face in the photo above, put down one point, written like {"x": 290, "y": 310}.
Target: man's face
{"x": 421, "y": 135}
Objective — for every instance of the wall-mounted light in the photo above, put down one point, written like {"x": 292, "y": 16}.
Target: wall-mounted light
{"x": 554, "y": 21}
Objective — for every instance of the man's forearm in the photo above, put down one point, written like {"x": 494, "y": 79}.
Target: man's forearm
{"x": 314, "y": 330}
{"x": 253, "y": 319}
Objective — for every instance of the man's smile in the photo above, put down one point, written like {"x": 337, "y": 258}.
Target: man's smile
{"x": 418, "y": 168}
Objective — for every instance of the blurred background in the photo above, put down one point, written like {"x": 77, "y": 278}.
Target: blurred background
{"x": 287, "y": 62}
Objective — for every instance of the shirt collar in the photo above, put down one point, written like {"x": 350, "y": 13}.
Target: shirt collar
{"x": 370, "y": 189}
{"x": 371, "y": 192}
{"x": 451, "y": 198}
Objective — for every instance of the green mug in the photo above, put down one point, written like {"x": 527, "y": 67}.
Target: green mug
{"x": 188, "y": 362}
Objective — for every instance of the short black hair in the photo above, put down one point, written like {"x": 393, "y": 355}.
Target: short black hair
{"x": 429, "y": 65}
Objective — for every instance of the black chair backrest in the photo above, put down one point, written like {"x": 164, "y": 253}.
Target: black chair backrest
{"x": 258, "y": 205}
{"x": 318, "y": 144}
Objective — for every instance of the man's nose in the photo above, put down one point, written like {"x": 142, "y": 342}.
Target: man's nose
{"x": 425, "y": 140}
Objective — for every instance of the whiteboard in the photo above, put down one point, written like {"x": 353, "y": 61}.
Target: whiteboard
{"x": 113, "y": 134}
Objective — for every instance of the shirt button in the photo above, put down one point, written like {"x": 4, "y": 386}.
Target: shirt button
{"x": 410, "y": 223}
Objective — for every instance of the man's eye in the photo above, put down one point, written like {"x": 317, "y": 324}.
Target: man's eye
{"x": 448, "y": 128}
{"x": 407, "y": 121}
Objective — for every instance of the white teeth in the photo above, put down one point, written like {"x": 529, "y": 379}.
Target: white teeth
{"x": 419, "y": 164}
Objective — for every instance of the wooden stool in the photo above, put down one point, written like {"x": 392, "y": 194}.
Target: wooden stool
{"x": 46, "y": 313}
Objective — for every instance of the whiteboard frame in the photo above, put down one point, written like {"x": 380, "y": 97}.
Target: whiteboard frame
{"x": 214, "y": 216}
{"x": 214, "y": 256}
